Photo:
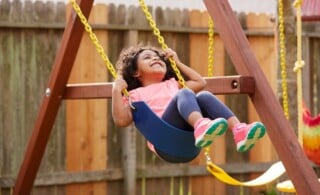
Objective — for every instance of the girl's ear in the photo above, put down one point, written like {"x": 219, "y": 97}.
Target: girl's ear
{"x": 136, "y": 74}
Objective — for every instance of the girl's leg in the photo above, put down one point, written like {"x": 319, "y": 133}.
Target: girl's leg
{"x": 185, "y": 113}
{"x": 176, "y": 115}
{"x": 213, "y": 108}
{"x": 173, "y": 117}
{"x": 245, "y": 135}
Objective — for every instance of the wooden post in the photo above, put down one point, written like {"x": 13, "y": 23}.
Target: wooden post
{"x": 279, "y": 129}
{"x": 51, "y": 101}
{"x": 128, "y": 140}
{"x": 128, "y": 144}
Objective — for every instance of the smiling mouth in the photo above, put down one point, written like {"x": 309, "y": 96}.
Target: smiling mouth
{"x": 156, "y": 64}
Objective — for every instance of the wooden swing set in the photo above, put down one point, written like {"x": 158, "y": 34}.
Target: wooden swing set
{"x": 250, "y": 80}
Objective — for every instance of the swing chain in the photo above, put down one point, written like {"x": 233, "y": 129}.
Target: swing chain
{"x": 210, "y": 68}
{"x": 164, "y": 46}
{"x": 211, "y": 47}
{"x": 283, "y": 60}
{"x": 207, "y": 155}
{"x": 97, "y": 44}
{"x": 94, "y": 38}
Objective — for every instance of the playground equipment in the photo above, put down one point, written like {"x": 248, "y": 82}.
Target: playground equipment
{"x": 251, "y": 81}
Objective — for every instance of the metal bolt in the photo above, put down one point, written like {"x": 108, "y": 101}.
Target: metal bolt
{"x": 48, "y": 92}
{"x": 234, "y": 84}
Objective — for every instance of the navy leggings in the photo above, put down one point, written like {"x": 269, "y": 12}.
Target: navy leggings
{"x": 185, "y": 102}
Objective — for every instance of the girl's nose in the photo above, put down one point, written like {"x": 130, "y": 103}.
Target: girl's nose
{"x": 155, "y": 57}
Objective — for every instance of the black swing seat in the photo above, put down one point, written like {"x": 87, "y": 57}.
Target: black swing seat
{"x": 165, "y": 137}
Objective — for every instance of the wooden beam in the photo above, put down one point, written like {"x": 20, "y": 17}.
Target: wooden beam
{"x": 217, "y": 85}
{"x": 314, "y": 18}
{"x": 116, "y": 174}
{"x": 121, "y": 27}
{"x": 267, "y": 105}
{"x": 230, "y": 84}
{"x": 51, "y": 101}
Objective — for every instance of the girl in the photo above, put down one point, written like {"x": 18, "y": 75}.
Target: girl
{"x": 147, "y": 75}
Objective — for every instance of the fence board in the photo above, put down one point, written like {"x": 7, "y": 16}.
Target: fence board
{"x": 25, "y": 63}
{"x": 86, "y": 120}
{"x": 199, "y": 61}
{"x": 263, "y": 48}
{"x": 316, "y": 79}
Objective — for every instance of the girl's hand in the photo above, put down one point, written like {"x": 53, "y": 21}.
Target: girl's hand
{"x": 169, "y": 53}
{"x": 121, "y": 112}
{"x": 194, "y": 80}
{"x": 119, "y": 85}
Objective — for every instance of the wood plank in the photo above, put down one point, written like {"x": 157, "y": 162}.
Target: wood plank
{"x": 264, "y": 49}
{"x": 199, "y": 61}
{"x": 86, "y": 122}
{"x": 216, "y": 85}
{"x": 311, "y": 18}
{"x": 129, "y": 140}
{"x": 116, "y": 174}
{"x": 51, "y": 102}
{"x": 279, "y": 129}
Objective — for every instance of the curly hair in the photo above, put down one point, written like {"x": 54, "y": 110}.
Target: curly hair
{"x": 127, "y": 65}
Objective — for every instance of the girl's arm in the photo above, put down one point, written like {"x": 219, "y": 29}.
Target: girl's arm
{"x": 121, "y": 112}
{"x": 194, "y": 80}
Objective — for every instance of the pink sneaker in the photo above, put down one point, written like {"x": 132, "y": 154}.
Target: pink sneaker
{"x": 206, "y": 130}
{"x": 245, "y": 136}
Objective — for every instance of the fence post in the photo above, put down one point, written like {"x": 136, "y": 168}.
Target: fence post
{"x": 128, "y": 143}
{"x": 128, "y": 137}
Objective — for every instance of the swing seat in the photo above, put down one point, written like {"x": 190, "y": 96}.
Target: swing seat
{"x": 165, "y": 137}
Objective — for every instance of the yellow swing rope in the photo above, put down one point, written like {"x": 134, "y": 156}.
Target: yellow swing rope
{"x": 299, "y": 64}
{"x": 287, "y": 186}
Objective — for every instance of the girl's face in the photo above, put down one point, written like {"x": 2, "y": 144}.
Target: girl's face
{"x": 151, "y": 67}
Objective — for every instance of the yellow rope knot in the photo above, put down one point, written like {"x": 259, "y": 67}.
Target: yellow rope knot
{"x": 298, "y": 65}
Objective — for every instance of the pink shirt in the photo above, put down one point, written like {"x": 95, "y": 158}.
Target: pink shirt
{"x": 157, "y": 96}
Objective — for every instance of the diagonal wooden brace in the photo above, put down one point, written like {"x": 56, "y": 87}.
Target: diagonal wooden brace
{"x": 51, "y": 101}
{"x": 279, "y": 129}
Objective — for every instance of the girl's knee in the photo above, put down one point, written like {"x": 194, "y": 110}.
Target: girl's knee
{"x": 204, "y": 94}
{"x": 186, "y": 92}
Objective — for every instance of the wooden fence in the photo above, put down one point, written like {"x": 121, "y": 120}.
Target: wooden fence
{"x": 86, "y": 153}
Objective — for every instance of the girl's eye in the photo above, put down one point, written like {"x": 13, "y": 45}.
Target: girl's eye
{"x": 147, "y": 57}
